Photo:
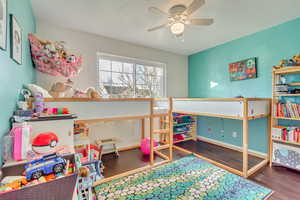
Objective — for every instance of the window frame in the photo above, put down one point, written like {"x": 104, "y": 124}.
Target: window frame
{"x": 134, "y": 62}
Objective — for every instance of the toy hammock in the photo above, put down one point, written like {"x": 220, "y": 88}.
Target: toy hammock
{"x": 52, "y": 58}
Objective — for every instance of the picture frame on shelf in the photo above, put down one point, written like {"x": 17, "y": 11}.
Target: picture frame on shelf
{"x": 3, "y": 24}
{"x": 16, "y": 40}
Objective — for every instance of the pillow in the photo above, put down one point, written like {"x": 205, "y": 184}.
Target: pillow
{"x": 37, "y": 89}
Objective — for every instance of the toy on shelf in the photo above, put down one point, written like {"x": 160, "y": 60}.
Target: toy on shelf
{"x": 48, "y": 164}
{"x": 81, "y": 131}
{"x": 295, "y": 61}
{"x": 60, "y": 89}
{"x": 55, "y": 111}
{"x": 183, "y": 127}
{"x": 21, "y": 134}
{"x": 39, "y": 103}
{"x": 82, "y": 142}
{"x": 45, "y": 143}
{"x": 12, "y": 183}
{"x": 90, "y": 92}
{"x": 48, "y": 168}
{"x": 88, "y": 152}
{"x": 23, "y": 105}
{"x": 145, "y": 146}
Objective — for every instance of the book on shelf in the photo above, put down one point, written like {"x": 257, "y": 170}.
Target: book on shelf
{"x": 287, "y": 134}
{"x": 288, "y": 110}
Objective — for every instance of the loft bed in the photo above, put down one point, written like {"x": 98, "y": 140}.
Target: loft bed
{"x": 99, "y": 110}
{"x": 115, "y": 109}
{"x": 243, "y": 109}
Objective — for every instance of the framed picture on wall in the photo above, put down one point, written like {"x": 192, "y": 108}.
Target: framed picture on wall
{"x": 16, "y": 40}
{"x": 3, "y": 24}
{"x": 241, "y": 70}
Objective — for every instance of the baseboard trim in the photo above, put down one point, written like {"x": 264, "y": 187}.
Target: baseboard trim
{"x": 129, "y": 148}
{"x": 233, "y": 147}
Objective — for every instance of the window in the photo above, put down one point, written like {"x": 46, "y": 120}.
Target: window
{"x": 128, "y": 77}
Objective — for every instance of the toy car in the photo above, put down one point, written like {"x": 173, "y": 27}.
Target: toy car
{"x": 44, "y": 142}
{"x": 48, "y": 164}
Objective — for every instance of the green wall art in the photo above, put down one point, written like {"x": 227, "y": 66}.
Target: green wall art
{"x": 245, "y": 69}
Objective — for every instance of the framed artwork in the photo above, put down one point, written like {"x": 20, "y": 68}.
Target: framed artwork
{"x": 3, "y": 24}
{"x": 16, "y": 40}
{"x": 245, "y": 69}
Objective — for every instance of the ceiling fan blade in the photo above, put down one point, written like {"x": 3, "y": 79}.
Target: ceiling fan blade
{"x": 157, "y": 11}
{"x": 157, "y": 27}
{"x": 201, "y": 22}
{"x": 195, "y": 5}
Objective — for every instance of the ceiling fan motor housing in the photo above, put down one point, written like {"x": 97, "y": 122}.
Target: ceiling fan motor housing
{"x": 177, "y": 9}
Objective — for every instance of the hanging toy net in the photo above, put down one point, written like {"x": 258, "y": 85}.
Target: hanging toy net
{"x": 51, "y": 58}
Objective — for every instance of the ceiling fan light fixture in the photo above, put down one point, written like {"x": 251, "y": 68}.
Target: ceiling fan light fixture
{"x": 177, "y": 28}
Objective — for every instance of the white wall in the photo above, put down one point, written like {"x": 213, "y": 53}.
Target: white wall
{"x": 89, "y": 44}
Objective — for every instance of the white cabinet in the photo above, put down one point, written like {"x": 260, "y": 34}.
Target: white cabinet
{"x": 62, "y": 128}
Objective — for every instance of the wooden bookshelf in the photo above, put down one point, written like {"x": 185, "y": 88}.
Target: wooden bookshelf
{"x": 276, "y": 74}
{"x": 287, "y": 70}
{"x": 286, "y": 142}
{"x": 293, "y": 84}
{"x": 286, "y": 118}
{"x": 286, "y": 95}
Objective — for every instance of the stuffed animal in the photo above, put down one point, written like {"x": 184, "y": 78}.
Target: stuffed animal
{"x": 287, "y": 63}
{"x": 296, "y": 59}
{"x": 88, "y": 93}
{"x": 60, "y": 89}
{"x": 93, "y": 93}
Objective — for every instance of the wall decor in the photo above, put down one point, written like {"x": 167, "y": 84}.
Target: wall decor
{"x": 16, "y": 40}
{"x": 3, "y": 24}
{"x": 241, "y": 70}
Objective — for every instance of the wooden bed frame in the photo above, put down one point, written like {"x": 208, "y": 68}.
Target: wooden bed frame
{"x": 244, "y": 115}
{"x": 115, "y": 109}
{"x": 145, "y": 109}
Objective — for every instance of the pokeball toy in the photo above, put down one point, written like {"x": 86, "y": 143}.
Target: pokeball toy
{"x": 45, "y": 142}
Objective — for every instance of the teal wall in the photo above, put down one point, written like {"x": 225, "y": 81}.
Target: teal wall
{"x": 12, "y": 75}
{"x": 269, "y": 46}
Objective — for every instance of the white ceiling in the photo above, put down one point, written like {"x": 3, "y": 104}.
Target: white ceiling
{"x": 128, "y": 20}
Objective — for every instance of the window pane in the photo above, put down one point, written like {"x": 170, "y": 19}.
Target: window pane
{"x": 116, "y": 66}
{"x": 127, "y": 79}
{"x": 150, "y": 71}
{"x": 116, "y": 78}
{"x": 105, "y": 77}
{"x": 119, "y": 78}
{"x": 105, "y": 65}
{"x": 140, "y": 79}
{"x": 143, "y": 91}
{"x": 159, "y": 71}
{"x": 157, "y": 90}
{"x": 140, "y": 69}
{"x": 157, "y": 80}
{"x": 128, "y": 67}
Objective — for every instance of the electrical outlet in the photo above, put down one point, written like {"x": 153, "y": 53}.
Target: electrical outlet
{"x": 234, "y": 134}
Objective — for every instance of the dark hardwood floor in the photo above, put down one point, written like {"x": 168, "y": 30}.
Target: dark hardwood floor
{"x": 284, "y": 182}
{"x": 223, "y": 155}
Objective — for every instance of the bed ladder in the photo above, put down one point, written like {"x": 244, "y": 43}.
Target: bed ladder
{"x": 165, "y": 133}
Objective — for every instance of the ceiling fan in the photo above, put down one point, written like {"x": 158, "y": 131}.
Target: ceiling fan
{"x": 179, "y": 16}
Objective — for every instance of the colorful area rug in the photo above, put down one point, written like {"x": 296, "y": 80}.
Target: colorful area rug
{"x": 184, "y": 179}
